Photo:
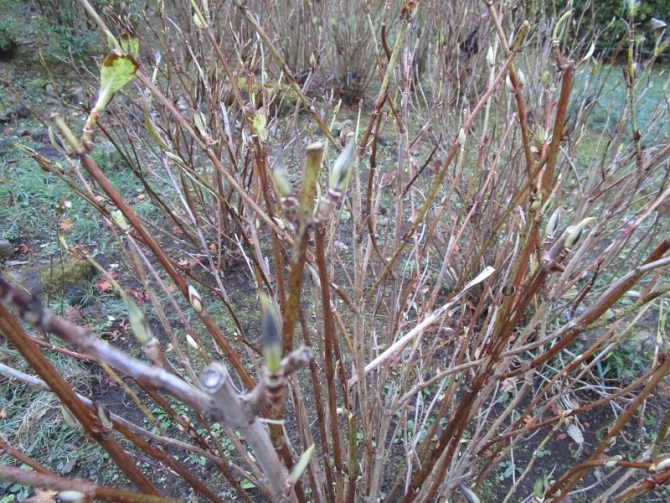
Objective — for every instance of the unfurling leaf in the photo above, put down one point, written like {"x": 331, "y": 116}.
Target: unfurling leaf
{"x": 541, "y": 486}
{"x": 259, "y": 122}
{"x": 120, "y": 220}
{"x": 520, "y": 36}
{"x": 138, "y": 323}
{"x": 130, "y": 43}
{"x": 199, "y": 22}
{"x": 111, "y": 41}
{"x": 559, "y": 29}
{"x": 56, "y": 141}
{"x": 300, "y": 466}
{"x": 589, "y": 53}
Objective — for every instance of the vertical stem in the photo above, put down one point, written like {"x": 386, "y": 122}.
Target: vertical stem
{"x": 295, "y": 277}
{"x": 329, "y": 343}
{"x": 306, "y": 217}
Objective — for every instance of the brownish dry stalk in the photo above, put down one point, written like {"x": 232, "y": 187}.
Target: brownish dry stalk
{"x": 569, "y": 480}
{"x": 329, "y": 356}
{"x": 118, "y": 200}
{"x": 88, "y": 492}
{"x": 436, "y": 183}
{"x": 91, "y": 424}
{"x": 220, "y": 399}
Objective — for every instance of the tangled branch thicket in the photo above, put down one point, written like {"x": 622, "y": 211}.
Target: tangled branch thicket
{"x": 448, "y": 298}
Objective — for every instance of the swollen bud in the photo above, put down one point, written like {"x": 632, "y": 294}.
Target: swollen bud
{"x": 69, "y": 418}
{"x": 552, "y": 224}
{"x": 490, "y": 57}
{"x": 105, "y": 421}
{"x": 71, "y": 497}
{"x": 613, "y": 461}
{"x": 341, "y": 172}
{"x": 508, "y": 83}
{"x": 194, "y": 299}
{"x": 280, "y": 175}
{"x": 576, "y": 233}
{"x": 521, "y": 77}
{"x": 192, "y": 342}
{"x": 469, "y": 495}
{"x": 659, "y": 466}
{"x": 461, "y": 137}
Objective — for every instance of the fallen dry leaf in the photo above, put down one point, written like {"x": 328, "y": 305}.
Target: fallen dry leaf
{"x": 66, "y": 225}
{"x": 575, "y": 433}
{"x": 43, "y": 496}
{"x": 141, "y": 296}
{"x": 73, "y": 314}
{"x": 23, "y": 249}
{"x": 67, "y": 467}
{"x": 103, "y": 285}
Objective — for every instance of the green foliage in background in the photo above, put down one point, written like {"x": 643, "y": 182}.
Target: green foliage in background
{"x": 7, "y": 36}
{"x": 607, "y": 17}
{"x": 78, "y": 42}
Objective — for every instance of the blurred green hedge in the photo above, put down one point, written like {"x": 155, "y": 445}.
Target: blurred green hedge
{"x": 606, "y": 17}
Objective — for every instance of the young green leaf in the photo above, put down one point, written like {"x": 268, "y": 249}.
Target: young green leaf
{"x": 117, "y": 70}
{"x": 130, "y": 43}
